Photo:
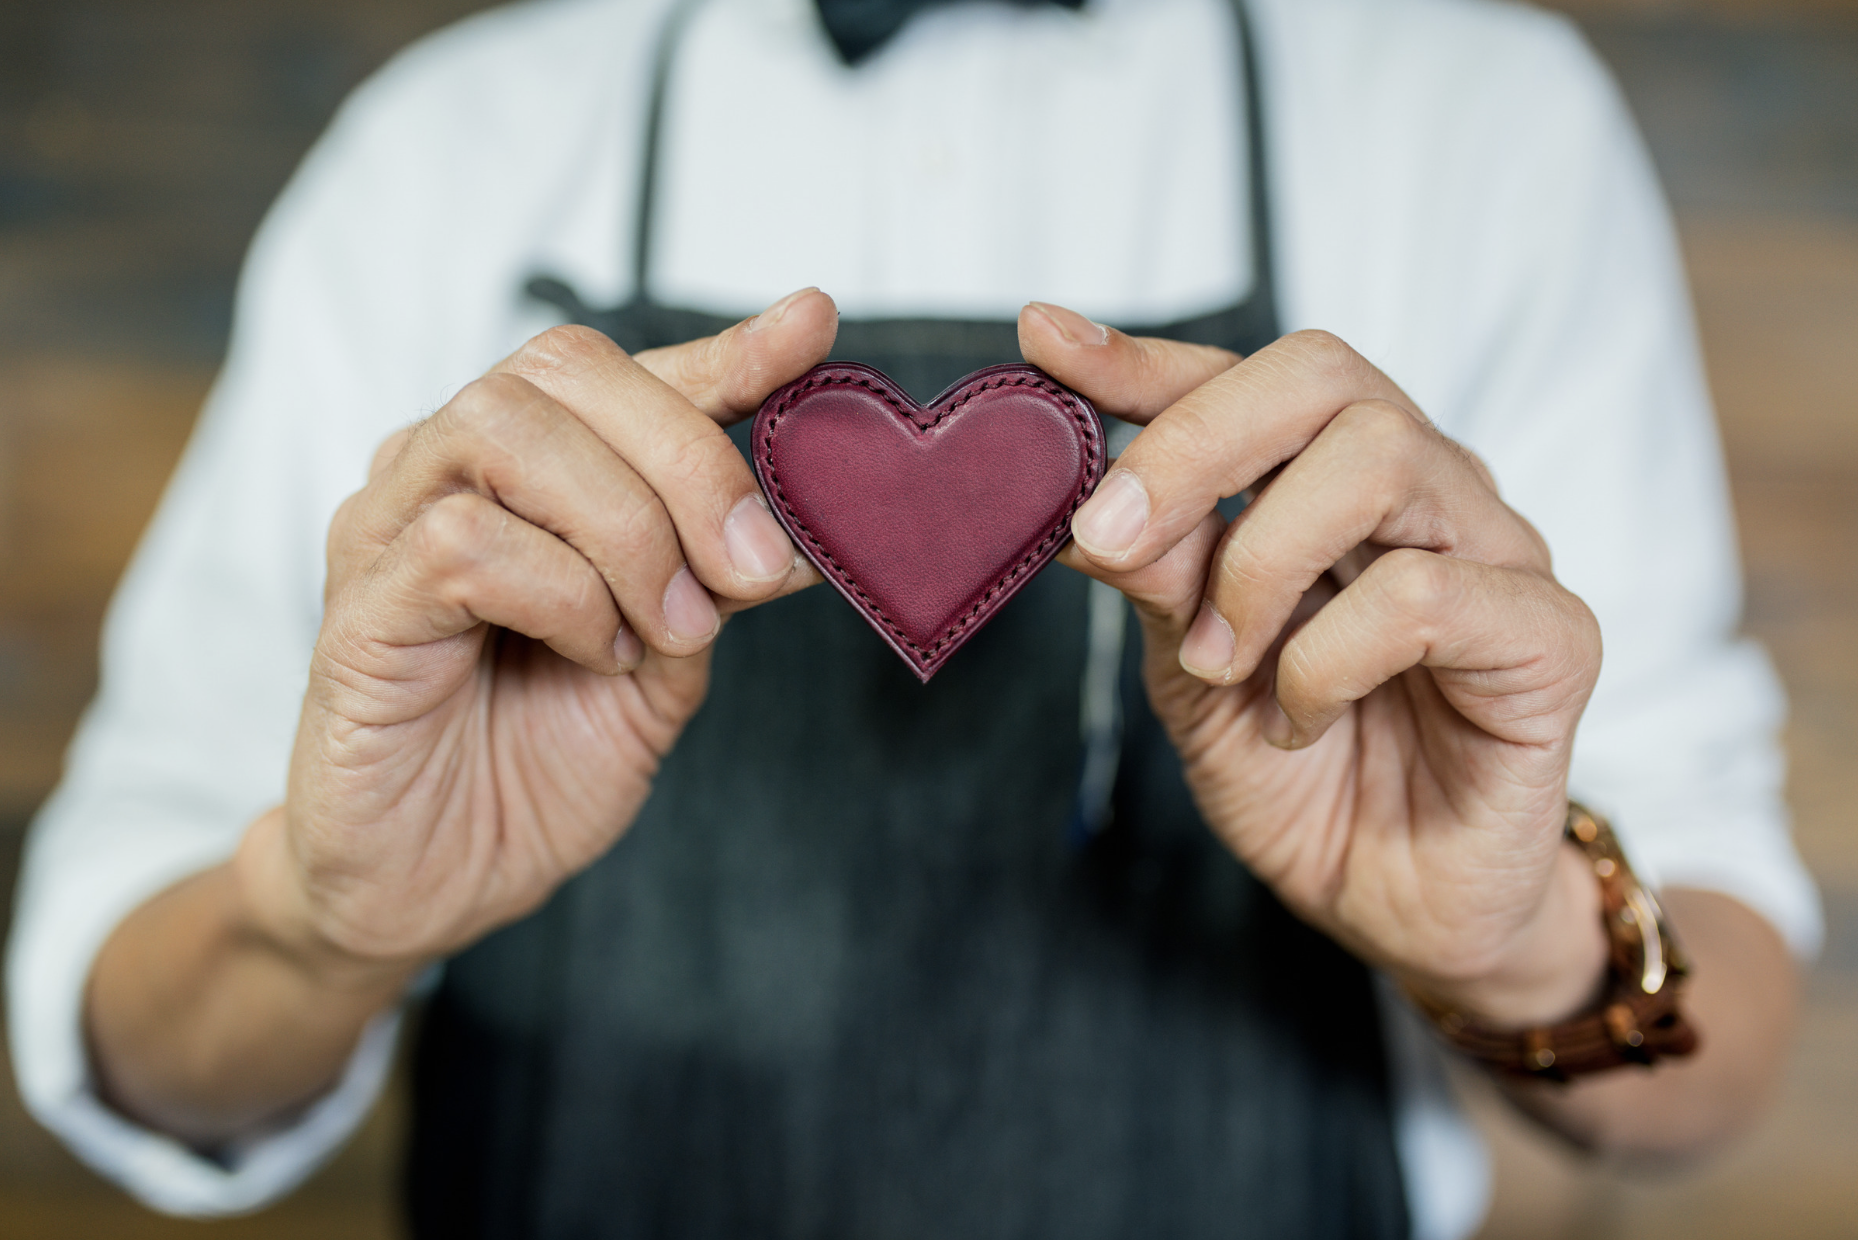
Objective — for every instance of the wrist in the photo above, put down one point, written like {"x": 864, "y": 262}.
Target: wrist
{"x": 1554, "y": 967}
{"x": 275, "y": 913}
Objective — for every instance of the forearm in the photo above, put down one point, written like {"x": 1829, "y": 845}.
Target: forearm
{"x": 1741, "y": 997}
{"x": 204, "y": 1023}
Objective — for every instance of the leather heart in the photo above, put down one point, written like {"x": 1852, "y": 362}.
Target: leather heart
{"x": 927, "y": 518}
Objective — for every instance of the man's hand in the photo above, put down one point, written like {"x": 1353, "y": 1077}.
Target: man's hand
{"x": 1374, "y": 680}
{"x": 520, "y": 609}
{"x": 1372, "y": 676}
{"x": 519, "y": 613}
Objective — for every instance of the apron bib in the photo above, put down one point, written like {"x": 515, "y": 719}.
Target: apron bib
{"x": 851, "y": 974}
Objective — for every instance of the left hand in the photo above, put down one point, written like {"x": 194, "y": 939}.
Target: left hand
{"x": 1372, "y": 676}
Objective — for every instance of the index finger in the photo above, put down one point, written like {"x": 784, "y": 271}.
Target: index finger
{"x": 1220, "y": 438}
{"x": 731, "y": 542}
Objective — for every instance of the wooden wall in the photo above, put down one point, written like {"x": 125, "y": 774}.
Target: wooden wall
{"x": 141, "y": 139}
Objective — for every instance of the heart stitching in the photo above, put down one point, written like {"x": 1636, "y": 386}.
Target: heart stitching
{"x": 925, "y": 660}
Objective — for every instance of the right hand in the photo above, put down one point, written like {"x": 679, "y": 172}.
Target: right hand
{"x": 518, "y": 618}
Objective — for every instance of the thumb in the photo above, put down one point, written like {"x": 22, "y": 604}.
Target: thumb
{"x": 728, "y": 375}
{"x": 1129, "y": 377}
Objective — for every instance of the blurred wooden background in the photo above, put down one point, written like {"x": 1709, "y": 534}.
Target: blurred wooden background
{"x": 140, "y": 141}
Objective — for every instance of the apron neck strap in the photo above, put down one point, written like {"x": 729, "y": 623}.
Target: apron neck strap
{"x": 644, "y": 216}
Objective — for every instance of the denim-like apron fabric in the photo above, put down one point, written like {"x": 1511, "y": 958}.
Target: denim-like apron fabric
{"x": 848, "y": 976}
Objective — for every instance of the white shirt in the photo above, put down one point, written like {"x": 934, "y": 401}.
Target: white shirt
{"x": 1458, "y": 192}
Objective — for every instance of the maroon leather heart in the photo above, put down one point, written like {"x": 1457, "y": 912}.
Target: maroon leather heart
{"x": 927, "y": 518}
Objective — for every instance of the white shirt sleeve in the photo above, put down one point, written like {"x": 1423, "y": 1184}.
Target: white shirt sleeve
{"x": 1587, "y": 398}
{"x": 387, "y": 274}
{"x": 204, "y": 664}
{"x": 204, "y": 660}
{"x": 1590, "y": 405}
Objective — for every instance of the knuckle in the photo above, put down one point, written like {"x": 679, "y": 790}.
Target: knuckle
{"x": 635, "y": 537}
{"x": 569, "y": 346}
{"x": 1587, "y": 639}
{"x": 1194, "y": 430}
{"x": 486, "y": 408}
{"x": 453, "y": 535}
{"x": 497, "y": 422}
{"x": 1327, "y": 354}
{"x": 1316, "y": 340}
{"x": 1381, "y": 446}
{"x": 640, "y": 530}
{"x": 1323, "y": 347}
{"x": 1379, "y": 428}
{"x": 704, "y": 460}
{"x": 1415, "y": 583}
{"x": 1251, "y": 569}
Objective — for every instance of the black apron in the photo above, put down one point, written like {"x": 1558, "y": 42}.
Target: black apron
{"x": 850, "y": 976}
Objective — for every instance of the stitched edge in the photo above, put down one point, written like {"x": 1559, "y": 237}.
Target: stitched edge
{"x": 1088, "y": 425}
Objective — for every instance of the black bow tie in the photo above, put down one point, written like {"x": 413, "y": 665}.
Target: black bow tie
{"x": 860, "y": 27}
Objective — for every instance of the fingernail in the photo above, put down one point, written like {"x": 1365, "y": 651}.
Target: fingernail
{"x": 1110, "y": 522}
{"x": 1207, "y": 649}
{"x": 758, "y": 546}
{"x": 688, "y": 611}
{"x": 778, "y": 311}
{"x": 1277, "y": 730}
{"x": 1073, "y": 326}
{"x": 627, "y": 648}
